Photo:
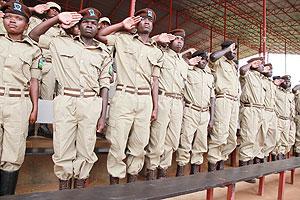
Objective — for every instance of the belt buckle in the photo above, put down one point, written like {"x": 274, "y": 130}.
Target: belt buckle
{"x": 81, "y": 92}
{"x": 136, "y": 90}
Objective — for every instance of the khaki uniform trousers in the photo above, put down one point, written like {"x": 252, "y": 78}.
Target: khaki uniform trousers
{"x": 193, "y": 137}
{"x": 292, "y": 136}
{"x": 283, "y": 127}
{"x": 128, "y": 132}
{"x": 165, "y": 133}
{"x": 14, "y": 120}
{"x": 74, "y": 138}
{"x": 252, "y": 142}
{"x": 269, "y": 130}
{"x": 47, "y": 82}
{"x": 297, "y": 138}
{"x": 222, "y": 140}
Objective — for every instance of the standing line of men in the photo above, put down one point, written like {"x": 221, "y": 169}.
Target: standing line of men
{"x": 163, "y": 103}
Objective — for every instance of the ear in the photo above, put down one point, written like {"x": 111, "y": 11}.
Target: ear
{"x": 26, "y": 26}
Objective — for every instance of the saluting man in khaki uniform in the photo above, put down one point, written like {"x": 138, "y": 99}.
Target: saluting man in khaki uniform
{"x": 199, "y": 96}
{"x": 81, "y": 71}
{"x": 292, "y": 132}
{"x": 223, "y": 136}
{"x": 165, "y": 131}
{"x": 284, "y": 104}
{"x": 138, "y": 62}
{"x": 20, "y": 66}
{"x": 269, "y": 126}
{"x": 48, "y": 77}
{"x": 296, "y": 91}
{"x": 251, "y": 112}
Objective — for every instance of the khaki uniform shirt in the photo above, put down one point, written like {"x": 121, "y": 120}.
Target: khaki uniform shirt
{"x": 135, "y": 61}
{"x": 199, "y": 87}
{"x": 284, "y": 102}
{"x": 19, "y": 62}
{"x": 270, "y": 89}
{"x": 173, "y": 72}
{"x": 226, "y": 76}
{"x": 253, "y": 91}
{"x": 78, "y": 66}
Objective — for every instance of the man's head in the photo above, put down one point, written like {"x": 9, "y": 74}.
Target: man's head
{"x": 232, "y": 54}
{"x": 286, "y": 84}
{"x": 88, "y": 25}
{"x": 148, "y": 16}
{"x": 54, "y": 9}
{"x": 177, "y": 44}
{"x": 103, "y": 23}
{"x": 204, "y": 58}
{"x": 267, "y": 70}
{"x": 74, "y": 30}
{"x": 16, "y": 17}
{"x": 256, "y": 64}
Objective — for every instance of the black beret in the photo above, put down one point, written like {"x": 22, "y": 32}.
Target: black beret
{"x": 227, "y": 43}
{"x": 202, "y": 54}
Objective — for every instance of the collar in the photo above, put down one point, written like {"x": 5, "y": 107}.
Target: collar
{"x": 98, "y": 45}
{"x": 197, "y": 69}
{"x": 172, "y": 53}
{"x": 257, "y": 73}
{"x": 150, "y": 42}
{"x": 25, "y": 39}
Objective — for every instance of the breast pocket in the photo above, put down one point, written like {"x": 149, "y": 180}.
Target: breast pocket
{"x": 129, "y": 54}
{"x": 94, "y": 68}
{"x": 67, "y": 59}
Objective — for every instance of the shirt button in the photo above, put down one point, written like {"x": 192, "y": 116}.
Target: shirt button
{"x": 5, "y": 68}
{"x": 81, "y": 61}
{"x": 9, "y": 55}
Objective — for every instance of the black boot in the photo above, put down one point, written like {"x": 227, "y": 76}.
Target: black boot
{"x": 274, "y": 157}
{"x": 113, "y": 180}
{"x": 242, "y": 163}
{"x": 296, "y": 154}
{"x": 8, "y": 182}
{"x": 180, "y": 170}
{"x": 220, "y": 165}
{"x": 131, "y": 178}
{"x": 161, "y": 173}
{"x": 64, "y": 184}
{"x": 195, "y": 169}
{"x": 44, "y": 131}
{"x": 31, "y": 128}
{"x": 151, "y": 174}
{"x": 212, "y": 167}
{"x": 80, "y": 183}
{"x": 257, "y": 160}
{"x": 281, "y": 156}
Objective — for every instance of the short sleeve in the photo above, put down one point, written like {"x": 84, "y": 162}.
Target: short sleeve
{"x": 44, "y": 41}
{"x": 105, "y": 72}
{"x": 111, "y": 39}
{"x": 37, "y": 65}
{"x": 157, "y": 58}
